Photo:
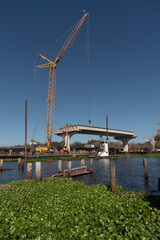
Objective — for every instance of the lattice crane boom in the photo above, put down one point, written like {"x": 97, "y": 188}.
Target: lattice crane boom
{"x": 52, "y": 77}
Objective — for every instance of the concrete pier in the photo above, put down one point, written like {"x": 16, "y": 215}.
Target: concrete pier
{"x": 91, "y": 165}
{"x": 125, "y": 144}
{"x": 67, "y": 141}
{"x": 38, "y": 171}
{"x": 1, "y": 164}
{"x": 69, "y": 167}
{"x": 19, "y": 162}
{"x": 60, "y": 166}
{"x": 29, "y": 170}
{"x": 82, "y": 162}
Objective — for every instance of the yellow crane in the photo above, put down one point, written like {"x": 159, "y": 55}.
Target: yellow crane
{"x": 52, "y": 77}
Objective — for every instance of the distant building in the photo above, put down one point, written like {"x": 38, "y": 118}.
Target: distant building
{"x": 136, "y": 150}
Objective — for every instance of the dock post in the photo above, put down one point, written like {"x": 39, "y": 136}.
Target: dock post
{"x": 1, "y": 164}
{"x": 147, "y": 184}
{"x": 19, "y": 162}
{"x": 82, "y": 162}
{"x": 60, "y": 166}
{"x": 22, "y": 164}
{"x": 38, "y": 171}
{"x": 91, "y": 165}
{"x": 113, "y": 177}
{"x": 29, "y": 170}
{"x": 69, "y": 168}
{"x": 145, "y": 167}
{"x": 158, "y": 184}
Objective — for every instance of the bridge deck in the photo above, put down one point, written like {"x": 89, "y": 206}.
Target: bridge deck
{"x": 83, "y": 129}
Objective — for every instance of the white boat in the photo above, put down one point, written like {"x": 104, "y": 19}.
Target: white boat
{"x": 104, "y": 150}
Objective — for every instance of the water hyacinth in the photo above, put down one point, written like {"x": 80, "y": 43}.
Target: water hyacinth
{"x": 63, "y": 209}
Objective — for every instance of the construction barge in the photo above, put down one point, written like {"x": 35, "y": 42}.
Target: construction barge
{"x": 73, "y": 173}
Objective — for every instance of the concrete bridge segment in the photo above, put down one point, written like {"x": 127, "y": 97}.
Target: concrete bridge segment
{"x": 121, "y": 135}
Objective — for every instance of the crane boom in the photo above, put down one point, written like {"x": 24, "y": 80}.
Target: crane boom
{"x": 52, "y": 77}
{"x": 71, "y": 38}
{"x": 51, "y": 105}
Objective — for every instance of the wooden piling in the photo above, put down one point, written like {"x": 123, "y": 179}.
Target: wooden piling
{"x": 145, "y": 167}
{"x": 1, "y": 164}
{"x": 69, "y": 168}
{"x": 38, "y": 171}
{"x": 158, "y": 184}
{"x": 22, "y": 164}
{"x": 82, "y": 162}
{"x": 91, "y": 165}
{"x": 19, "y": 162}
{"x": 29, "y": 170}
{"x": 60, "y": 166}
{"x": 113, "y": 177}
{"x": 147, "y": 184}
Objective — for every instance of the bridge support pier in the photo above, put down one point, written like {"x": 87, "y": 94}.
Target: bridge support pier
{"x": 125, "y": 144}
{"x": 67, "y": 141}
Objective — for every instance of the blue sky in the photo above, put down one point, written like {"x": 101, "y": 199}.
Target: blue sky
{"x": 124, "y": 43}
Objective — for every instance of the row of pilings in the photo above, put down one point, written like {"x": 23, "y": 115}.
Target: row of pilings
{"x": 21, "y": 163}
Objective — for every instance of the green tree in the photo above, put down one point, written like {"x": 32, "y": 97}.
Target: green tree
{"x": 77, "y": 145}
{"x": 96, "y": 143}
{"x": 58, "y": 144}
{"x": 157, "y": 141}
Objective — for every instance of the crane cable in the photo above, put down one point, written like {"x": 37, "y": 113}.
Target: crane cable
{"x": 88, "y": 63}
{"x": 89, "y": 78}
{"x": 59, "y": 38}
{"x": 41, "y": 111}
{"x": 38, "y": 120}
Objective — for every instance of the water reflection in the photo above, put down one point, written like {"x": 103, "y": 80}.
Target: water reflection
{"x": 48, "y": 168}
{"x": 0, "y": 176}
{"x": 65, "y": 164}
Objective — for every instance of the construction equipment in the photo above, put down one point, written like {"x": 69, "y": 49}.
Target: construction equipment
{"x": 52, "y": 77}
{"x": 37, "y": 146}
{"x": 65, "y": 149}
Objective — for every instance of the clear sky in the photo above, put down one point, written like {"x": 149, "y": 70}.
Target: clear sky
{"x": 124, "y": 63}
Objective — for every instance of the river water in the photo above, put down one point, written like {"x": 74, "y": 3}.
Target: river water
{"x": 129, "y": 172}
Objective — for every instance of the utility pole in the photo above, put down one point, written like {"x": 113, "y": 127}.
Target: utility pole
{"x": 25, "y": 130}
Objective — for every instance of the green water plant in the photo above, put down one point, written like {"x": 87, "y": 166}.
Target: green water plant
{"x": 66, "y": 209}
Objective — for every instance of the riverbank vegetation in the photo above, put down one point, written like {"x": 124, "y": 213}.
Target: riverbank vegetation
{"x": 63, "y": 158}
{"x": 66, "y": 209}
{"x": 42, "y": 158}
{"x": 141, "y": 155}
{"x": 83, "y": 156}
